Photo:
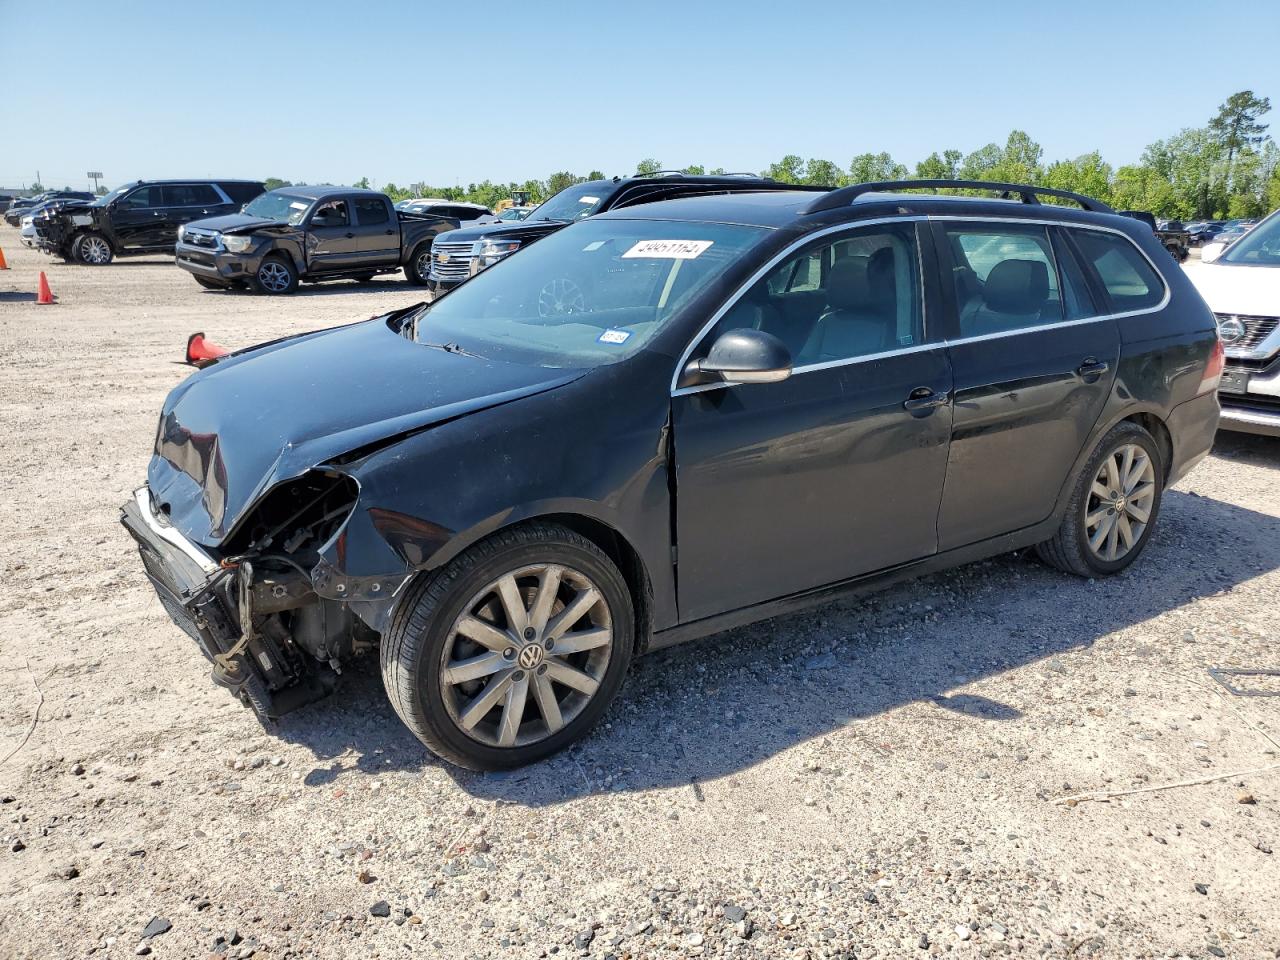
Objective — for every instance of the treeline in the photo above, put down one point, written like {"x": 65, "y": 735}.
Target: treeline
{"x": 1230, "y": 167}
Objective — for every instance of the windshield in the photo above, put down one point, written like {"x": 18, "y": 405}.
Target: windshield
{"x": 592, "y": 294}
{"x": 1259, "y": 247}
{"x": 281, "y": 207}
{"x": 574, "y": 203}
{"x": 106, "y": 198}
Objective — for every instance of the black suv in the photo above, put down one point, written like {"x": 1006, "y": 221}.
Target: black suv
{"x": 138, "y": 218}
{"x": 463, "y": 253}
{"x": 733, "y": 407}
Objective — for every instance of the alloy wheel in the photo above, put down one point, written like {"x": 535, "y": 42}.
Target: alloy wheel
{"x": 94, "y": 250}
{"x": 422, "y": 265}
{"x": 274, "y": 277}
{"x": 560, "y": 297}
{"x": 1120, "y": 501}
{"x": 526, "y": 656}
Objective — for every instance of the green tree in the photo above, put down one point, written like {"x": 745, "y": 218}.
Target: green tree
{"x": 695, "y": 170}
{"x": 979, "y": 164}
{"x": 1238, "y": 125}
{"x": 362, "y": 183}
{"x": 823, "y": 173}
{"x": 1088, "y": 174}
{"x": 596, "y": 175}
{"x": 558, "y": 181}
{"x": 944, "y": 167}
{"x": 719, "y": 172}
{"x": 872, "y": 167}
{"x": 648, "y": 165}
{"x": 275, "y": 183}
{"x": 790, "y": 169}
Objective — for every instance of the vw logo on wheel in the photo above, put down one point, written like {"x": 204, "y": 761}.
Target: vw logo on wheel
{"x": 1231, "y": 329}
{"x": 530, "y": 655}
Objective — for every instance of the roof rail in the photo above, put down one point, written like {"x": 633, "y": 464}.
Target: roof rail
{"x": 1029, "y": 194}
{"x": 661, "y": 173}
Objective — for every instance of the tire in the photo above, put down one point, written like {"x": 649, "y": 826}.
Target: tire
{"x": 210, "y": 284}
{"x": 417, "y": 268}
{"x": 1075, "y": 547}
{"x": 276, "y": 275}
{"x": 425, "y": 634}
{"x": 92, "y": 249}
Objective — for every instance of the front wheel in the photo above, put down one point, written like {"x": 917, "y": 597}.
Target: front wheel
{"x": 1113, "y": 508}
{"x": 93, "y": 249}
{"x": 511, "y": 651}
{"x": 275, "y": 275}
{"x": 417, "y": 270}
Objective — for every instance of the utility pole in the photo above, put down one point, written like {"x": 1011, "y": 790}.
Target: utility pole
{"x": 95, "y": 176}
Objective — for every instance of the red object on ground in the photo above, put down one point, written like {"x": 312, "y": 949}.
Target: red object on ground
{"x": 3, "y": 264}
{"x": 202, "y": 352}
{"x": 43, "y": 294}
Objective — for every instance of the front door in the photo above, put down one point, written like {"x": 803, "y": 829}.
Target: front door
{"x": 1033, "y": 362}
{"x": 836, "y": 471}
{"x": 137, "y": 218}
{"x": 331, "y": 238}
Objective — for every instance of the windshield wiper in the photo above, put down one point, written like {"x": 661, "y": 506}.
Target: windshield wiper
{"x": 451, "y": 348}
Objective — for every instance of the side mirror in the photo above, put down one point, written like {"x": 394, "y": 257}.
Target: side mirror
{"x": 742, "y": 356}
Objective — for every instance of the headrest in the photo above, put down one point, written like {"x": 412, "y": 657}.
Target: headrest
{"x": 847, "y": 287}
{"x": 1017, "y": 286}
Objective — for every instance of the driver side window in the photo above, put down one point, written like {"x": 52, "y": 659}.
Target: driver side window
{"x": 331, "y": 214}
{"x": 143, "y": 198}
{"x": 841, "y": 298}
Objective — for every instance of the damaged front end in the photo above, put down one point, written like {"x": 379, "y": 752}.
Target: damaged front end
{"x": 252, "y": 605}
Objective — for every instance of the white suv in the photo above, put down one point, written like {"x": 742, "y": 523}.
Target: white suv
{"x": 1242, "y": 287}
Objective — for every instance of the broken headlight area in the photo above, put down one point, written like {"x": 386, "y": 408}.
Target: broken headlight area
{"x": 253, "y": 609}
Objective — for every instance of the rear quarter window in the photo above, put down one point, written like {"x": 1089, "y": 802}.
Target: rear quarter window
{"x": 1127, "y": 276}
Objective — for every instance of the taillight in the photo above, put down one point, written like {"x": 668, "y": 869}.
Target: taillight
{"x": 1213, "y": 369}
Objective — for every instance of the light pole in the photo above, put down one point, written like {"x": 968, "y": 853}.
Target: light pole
{"x": 95, "y": 176}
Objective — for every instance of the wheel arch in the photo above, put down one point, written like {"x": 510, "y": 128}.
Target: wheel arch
{"x": 616, "y": 545}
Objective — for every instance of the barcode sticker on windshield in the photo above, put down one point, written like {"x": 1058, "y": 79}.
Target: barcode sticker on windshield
{"x": 614, "y": 336}
{"x": 588, "y": 199}
{"x": 669, "y": 249}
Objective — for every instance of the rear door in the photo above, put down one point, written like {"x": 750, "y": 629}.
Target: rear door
{"x": 836, "y": 471}
{"x": 1034, "y": 362}
{"x": 377, "y": 231}
{"x": 185, "y": 202}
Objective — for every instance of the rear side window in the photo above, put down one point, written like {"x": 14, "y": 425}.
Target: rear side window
{"x": 1005, "y": 277}
{"x": 241, "y": 192}
{"x": 371, "y": 210}
{"x": 190, "y": 195}
{"x": 1129, "y": 279}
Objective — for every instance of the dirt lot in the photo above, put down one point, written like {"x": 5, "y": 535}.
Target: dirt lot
{"x": 873, "y": 779}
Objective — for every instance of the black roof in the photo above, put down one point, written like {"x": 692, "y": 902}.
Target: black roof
{"x": 137, "y": 183}
{"x": 787, "y": 208}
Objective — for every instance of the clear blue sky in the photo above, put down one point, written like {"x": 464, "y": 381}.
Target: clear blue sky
{"x": 457, "y": 92}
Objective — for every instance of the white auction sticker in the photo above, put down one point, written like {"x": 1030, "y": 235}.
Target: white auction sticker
{"x": 614, "y": 336}
{"x": 669, "y": 249}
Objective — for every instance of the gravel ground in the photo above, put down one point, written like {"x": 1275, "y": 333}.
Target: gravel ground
{"x": 873, "y": 779}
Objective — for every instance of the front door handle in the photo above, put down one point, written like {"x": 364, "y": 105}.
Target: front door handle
{"x": 1092, "y": 369}
{"x": 924, "y": 400}
{"x": 390, "y": 232}
{"x": 351, "y": 236}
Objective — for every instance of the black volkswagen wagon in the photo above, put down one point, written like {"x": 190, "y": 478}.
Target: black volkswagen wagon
{"x": 663, "y": 422}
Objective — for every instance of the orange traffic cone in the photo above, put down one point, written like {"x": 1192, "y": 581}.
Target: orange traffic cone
{"x": 202, "y": 352}
{"x": 3, "y": 264}
{"x": 43, "y": 295}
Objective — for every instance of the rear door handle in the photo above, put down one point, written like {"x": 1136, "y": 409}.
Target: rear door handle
{"x": 1092, "y": 369}
{"x": 925, "y": 400}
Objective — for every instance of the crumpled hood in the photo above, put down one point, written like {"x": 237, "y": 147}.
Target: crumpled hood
{"x": 234, "y": 430}
{"x": 231, "y": 222}
{"x": 1252, "y": 291}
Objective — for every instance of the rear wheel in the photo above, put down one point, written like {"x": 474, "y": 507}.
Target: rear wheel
{"x": 275, "y": 275}
{"x": 93, "y": 249}
{"x": 1113, "y": 508}
{"x": 511, "y": 651}
{"x": 417, "y": 270}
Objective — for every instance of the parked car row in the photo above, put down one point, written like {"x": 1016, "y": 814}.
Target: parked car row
{"x": 18, "y": 206}
{"x": 657, "y": 422}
